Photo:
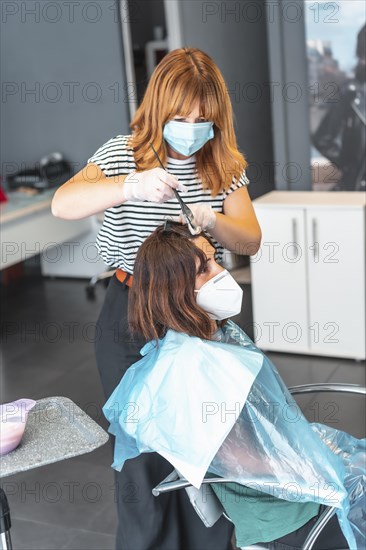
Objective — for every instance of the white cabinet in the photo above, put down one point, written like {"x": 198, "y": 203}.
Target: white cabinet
{"x": 308, "y": 278}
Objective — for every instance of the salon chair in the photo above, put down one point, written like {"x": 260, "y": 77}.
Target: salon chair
{"x": 209, "y": 507}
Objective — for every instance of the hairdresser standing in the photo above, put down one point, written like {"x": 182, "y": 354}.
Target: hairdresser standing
{"x": 186, "y": 114}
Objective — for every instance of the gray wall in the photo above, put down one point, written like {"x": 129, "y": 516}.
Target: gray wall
{"x": 49, "y": 48}
{"x": 58, "y": 46}
{"x": 234, "y": 35}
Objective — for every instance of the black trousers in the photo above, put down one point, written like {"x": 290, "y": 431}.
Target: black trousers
{"x": 331, "y": 538}
{"x": 145, "y": 522}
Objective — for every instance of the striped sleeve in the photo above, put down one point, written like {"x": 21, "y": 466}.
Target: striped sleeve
{"x": 100, "y": 154}
{"x": 236, "y": 184}
{"x": 114, "y": 157}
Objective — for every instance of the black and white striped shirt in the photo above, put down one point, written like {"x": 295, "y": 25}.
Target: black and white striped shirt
{"x": 126, "y": 226}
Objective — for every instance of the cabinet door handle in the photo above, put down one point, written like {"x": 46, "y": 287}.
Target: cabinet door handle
{"x": 294, "y": 234}
{"x": 315, "y": 247}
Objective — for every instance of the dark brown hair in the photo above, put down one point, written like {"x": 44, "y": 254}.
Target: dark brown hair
{"x": 162, "y": 294}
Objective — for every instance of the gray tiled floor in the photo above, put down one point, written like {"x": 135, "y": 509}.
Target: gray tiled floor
{"x": 47, "y": 350}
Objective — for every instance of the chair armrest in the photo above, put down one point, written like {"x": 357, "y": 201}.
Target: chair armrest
{"x": 172, "y": 482}
{"x": 337, "y": 388}
{"x": 168, "y": 485}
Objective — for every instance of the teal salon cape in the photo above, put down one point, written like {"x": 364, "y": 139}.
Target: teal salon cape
{"x": 222, "y": 406}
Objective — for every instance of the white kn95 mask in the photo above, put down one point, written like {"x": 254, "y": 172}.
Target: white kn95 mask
{"x": 221, "y": 296}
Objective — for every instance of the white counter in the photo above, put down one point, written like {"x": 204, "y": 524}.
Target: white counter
{"x": 28, "y": 227}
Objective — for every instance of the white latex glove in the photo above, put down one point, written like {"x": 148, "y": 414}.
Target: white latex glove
{"x": 203, "y": 215}
{"x": 154, "y": 185}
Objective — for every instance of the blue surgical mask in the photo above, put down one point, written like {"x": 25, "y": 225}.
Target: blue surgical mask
{"x": 187, "y": 137}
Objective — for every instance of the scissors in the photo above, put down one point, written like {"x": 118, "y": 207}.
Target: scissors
{"x": 187, "y": 212}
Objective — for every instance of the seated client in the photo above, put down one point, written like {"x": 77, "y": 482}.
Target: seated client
{"x": 210, "y": 402}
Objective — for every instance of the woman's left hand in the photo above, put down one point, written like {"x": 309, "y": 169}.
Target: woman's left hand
{"x": 204, "y": 216}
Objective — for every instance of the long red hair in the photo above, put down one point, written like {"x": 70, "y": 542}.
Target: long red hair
{"x": 182, "y": 77}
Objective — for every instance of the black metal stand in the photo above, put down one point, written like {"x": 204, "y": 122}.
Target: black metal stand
{"x": 5, "y": 522}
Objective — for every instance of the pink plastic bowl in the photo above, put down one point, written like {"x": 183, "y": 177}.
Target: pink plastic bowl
{"x": 13, "y": 418}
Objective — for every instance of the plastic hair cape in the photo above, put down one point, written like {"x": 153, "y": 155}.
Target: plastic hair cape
{"x": 222, "y": 406}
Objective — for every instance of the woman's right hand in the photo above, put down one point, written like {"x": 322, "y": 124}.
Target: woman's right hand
{"x": 90, "y": 191}
{"x": 154, "y": 185}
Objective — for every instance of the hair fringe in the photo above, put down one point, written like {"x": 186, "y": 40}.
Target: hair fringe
{"x": 182, "y": 77}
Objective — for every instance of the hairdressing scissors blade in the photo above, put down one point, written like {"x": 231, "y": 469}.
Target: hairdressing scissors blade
{"x": 187, "y": 212}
